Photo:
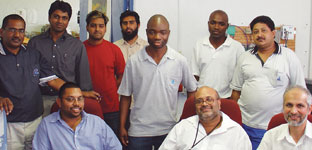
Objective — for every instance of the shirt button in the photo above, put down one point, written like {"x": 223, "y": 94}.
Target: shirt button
{"x": 53, "y": 56}
{"x": 52, "y": 67}
{"x": 17, "y": 65}
{"x": 51, "y": 90}
{"x": 54, "y": 45}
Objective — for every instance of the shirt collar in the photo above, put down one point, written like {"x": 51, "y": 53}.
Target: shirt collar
{"x": 285, "y": 131}
{"x": 48, "y": 35}
{"x": 276, "y": 51}
{"x": 228, "y": 41}
{"x": 138, "y": 41}
{"x": 3, "y": 50}
{"x": 57, "y": 117}
{"x": 144, "y": 56}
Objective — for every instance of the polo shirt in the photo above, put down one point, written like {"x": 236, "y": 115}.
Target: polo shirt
{"x": 215, "y": 67}
{"x": 155, "y": 91}
{"x": 106, "y": 62}
{"x": 92, "y": 133}
{"x": 67, "y": 58}
{"x": 279, "y": 138}
{"x": 19, "y": 81}
{"x": 229, "y": 136}
{"x": 262, "y": 85}
{"x": 127, "y": 49}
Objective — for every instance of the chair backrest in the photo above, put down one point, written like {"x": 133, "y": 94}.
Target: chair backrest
{"x": 91, "y": 106}
{"x": 228, "y": 106}
{"x": 279, "y": 119}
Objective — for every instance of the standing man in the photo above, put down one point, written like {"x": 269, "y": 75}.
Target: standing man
{"x": 131, "y": 42}
{"x": 22, "y": 70}
{"x": 153, "y": 76}
{"x": 297, "y": 134}
{"x": 215, "y": 56}
{"x": 210, "y": 129}
{"x": 72, "y": 128}
{"x": 106, "y": 67}
{"x": 261, "y": 77}
{"x": 66, "y": 54}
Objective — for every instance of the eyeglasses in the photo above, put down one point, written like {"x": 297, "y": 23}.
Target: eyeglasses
{"x": 13, "y": 30}
{"x": 72, "y": 99}
{"x": 201, "y": 101}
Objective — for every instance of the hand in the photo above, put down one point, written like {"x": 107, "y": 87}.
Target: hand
{"x": 92, "y": 94}
{"x": 6, "y": 104}
{"x": 124, "y": 136}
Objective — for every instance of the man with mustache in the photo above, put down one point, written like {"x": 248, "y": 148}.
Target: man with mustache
{"x": 261, "y": 77}
{"x": 153, "y": 76}
{"x": 66, "y": 54}
{"x": 72, "y": 128}
{"x": 106, "y": 67}
{"x": 22, "y": 70}
{"x": 215, "y": 56}
{"x": 210, "y": 129}
{"x": 131, "y": 42}
{"x": 297, "y": 133}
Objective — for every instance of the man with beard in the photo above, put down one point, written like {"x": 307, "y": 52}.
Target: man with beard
{"x": 72, "y": 128}
{"x": 106, "y": 67}
{"x": 210, "y": 129}
{"x": 217, "y": 52}
{"x": 261, "y": 76}
{"x": 66, "y": 54}
{"x": 131, "y": 42}
{"x": 152, "y": 75}
{"x": 297, "y": 134}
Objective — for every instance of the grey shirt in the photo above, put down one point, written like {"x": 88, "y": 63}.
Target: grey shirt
{"x": 67, "y": 58}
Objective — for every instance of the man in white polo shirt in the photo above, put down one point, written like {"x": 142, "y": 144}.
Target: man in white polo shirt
{"x": 215, "y": 56}
{"x": 297, "y": 133}
{"x": 261, "y": 77}
{"x": 153, "y": 76}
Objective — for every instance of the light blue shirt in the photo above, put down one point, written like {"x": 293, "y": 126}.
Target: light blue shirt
{"x": 92, "y": 133}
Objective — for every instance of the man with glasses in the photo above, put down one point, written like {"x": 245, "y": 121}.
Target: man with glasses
{"x": 72, "y": 128}
{"x": 22, "y": 70}
{"x": 210, "y": 129}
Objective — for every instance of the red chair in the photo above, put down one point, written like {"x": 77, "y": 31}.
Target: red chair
{"x": 279, "y": 119}
{"x": 91, "y": 106}
{"x": 228, "y": 106}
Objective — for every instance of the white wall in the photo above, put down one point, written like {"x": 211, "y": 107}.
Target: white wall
{"x": 36, "y": 12}
{"x": 188, "y": 19}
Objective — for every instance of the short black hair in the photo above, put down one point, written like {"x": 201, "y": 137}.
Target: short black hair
{"x": 66, "y": 86}
{"x": 96, "y": 14}
{"x": 60, "y": 5}
{"x": 12, "y": 17}
{"x": 263, "y": 19}
{"x": 130, "y": 13}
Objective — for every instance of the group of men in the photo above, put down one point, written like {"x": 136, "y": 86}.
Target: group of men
{"x": 62, "y": 68}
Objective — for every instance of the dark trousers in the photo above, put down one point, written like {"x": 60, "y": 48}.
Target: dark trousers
{"x": 145, "y": 143}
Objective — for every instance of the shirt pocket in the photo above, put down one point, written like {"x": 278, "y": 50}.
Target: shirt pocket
{"x": 173, "y": 82}
{"x": 34, "y": 71}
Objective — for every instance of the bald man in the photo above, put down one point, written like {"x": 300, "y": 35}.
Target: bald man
{"x": 153, "y": 76}
{"x": 210, "y": 129}
{"x": 214, "y": 56}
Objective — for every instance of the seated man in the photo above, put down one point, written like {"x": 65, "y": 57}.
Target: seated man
{"x": 297, "y": 134}
{"x": 72, "y": 128}
{"x": 210, "y": 129}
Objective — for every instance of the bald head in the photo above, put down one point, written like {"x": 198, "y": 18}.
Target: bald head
{"x": 205, "y": 90}
{"x": 157, "y": 19}
{"x": 221, "y": 13}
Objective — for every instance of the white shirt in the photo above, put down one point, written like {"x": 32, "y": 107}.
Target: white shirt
{"x": 215, "y": 67}
{"x": 155, "y": 91}
{"x": 262, "y": 87}
{"x": 279, "y": 138}
{"x": 127, "y": 49}
{"x": 230, "y": 136}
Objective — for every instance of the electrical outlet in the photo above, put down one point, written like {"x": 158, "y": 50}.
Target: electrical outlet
{"x": 288, "y": 32}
